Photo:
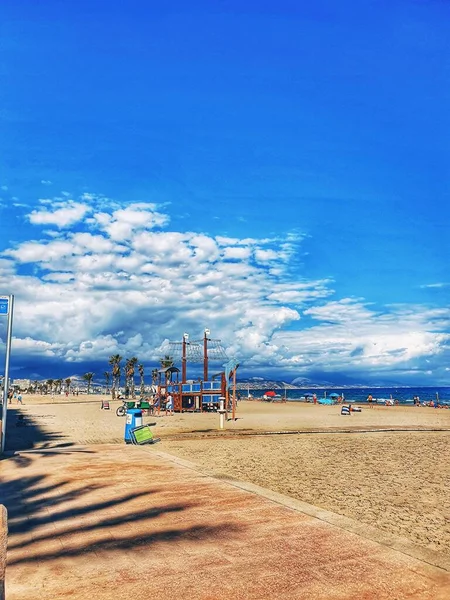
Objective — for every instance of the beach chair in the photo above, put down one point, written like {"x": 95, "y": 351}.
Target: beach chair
{"x": 143, "y": 435}
{"x": 345, "y": 410}
{"x": 105, "y": 404}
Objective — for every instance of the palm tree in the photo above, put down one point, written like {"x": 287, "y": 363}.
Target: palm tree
{"x": 88, "y": 377}
{"x": 107, "y": 375}
{"x": 49, "y": 385}
{"x": 58, "y": 386}
{"x": 115, "y": 361}
{"x": 129, "y": 371}
{"x": 68, "y": 381}
{"x": 166, "y": 362}
{"x": 141, "y": 375}
{"x": 155, "y": 376}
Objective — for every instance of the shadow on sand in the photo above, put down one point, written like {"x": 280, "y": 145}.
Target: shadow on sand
{"x": 86, "y": 506}
{"x": 24, "y": 432}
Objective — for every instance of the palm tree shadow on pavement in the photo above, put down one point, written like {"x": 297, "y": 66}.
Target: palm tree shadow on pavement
{"x": 90, "y": 505}
{"x": 39, "y": 510}
{"x": 24, "y": 432}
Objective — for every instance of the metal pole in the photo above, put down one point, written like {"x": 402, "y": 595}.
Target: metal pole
{"x": 6, "y": 380}
{"x": 222, "y": 412}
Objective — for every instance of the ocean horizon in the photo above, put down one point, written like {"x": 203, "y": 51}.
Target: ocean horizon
{"x": 404, "y": 395}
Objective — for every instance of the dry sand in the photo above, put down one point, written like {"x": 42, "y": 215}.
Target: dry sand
{"x": 398, "y": 482}
{"x": 395, "y": 480}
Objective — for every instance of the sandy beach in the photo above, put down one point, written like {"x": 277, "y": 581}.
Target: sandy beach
{"x": 394, "y": 481}
{"x": 385, "y": 466}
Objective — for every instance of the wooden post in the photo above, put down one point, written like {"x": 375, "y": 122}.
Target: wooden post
{"x": 183, "y": 360}
{"x": 227, "y": 402}
{"x": 3, "y": 544}
{"x": 234, "y": 395}
{"x": 205, "y": 357}
{"x": 224, "y": 392}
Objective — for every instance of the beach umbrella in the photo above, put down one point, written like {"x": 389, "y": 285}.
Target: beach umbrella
{"x": 271, "y": 394}
{"x": 334, "y": 395}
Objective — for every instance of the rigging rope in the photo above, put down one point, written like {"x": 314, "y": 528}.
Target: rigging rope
{"x": 194, "y": 351}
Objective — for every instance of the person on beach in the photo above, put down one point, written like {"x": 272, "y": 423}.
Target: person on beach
{"x": 169, "y": 405}
{"x": 314, "y": 398}
{"x": 156, "y": 403}
{"x": 370, "y": 400}
{"x": 19, "y": 398}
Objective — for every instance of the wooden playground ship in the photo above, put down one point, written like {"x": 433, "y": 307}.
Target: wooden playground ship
{"x": 202, "y": 394}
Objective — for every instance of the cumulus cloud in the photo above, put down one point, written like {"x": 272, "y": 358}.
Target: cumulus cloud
{"x": 123, "y": 223}
{"x": 349, "y": 332}
{"x": 112, "y": 278}
{"x": 123, "y": 282}
{"x": 63, "y": 214}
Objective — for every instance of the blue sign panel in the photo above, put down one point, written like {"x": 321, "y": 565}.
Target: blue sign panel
{"x": 4, "y": 306}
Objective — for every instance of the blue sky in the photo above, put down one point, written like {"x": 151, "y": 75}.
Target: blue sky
{"x": 277, "y": 172}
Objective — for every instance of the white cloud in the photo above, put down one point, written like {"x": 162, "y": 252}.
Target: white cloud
{"x": 46, "y": 182}
{"x": 364, "y": 340}
{"x": 264, "y": 256}
{"x": 435, "y": 285}
{"x": 7, "y": 267}
{"x": 123, "y": 223}
{"x": 122, "y": 281}
{"x": 123, "y": 276}
{"x": 64, "y": 215}
{"x": 236, "y": 253}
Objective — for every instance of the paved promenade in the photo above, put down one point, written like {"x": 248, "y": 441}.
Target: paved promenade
{"x": 112, "y": 521}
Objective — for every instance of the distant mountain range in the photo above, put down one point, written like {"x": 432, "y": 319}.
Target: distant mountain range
{"x": 259, "y": 383}
{"x": 263, "y": 384}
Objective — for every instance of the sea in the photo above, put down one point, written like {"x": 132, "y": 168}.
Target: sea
{"x": 404, "y": 395}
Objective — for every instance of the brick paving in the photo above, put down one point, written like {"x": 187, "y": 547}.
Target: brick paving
{"x": 114, "y": 521}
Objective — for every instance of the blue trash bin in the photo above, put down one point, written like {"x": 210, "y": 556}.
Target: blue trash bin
{"x": 133, "y": 419}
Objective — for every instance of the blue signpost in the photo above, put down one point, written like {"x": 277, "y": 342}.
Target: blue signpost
{"x": 4, "y": 305}
{"x": 6, "y": 310}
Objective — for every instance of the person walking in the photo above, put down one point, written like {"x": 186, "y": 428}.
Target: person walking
{"x": 370, "y": 400}
{"x": 19, "y": 398}
{"x": 169, "y": 405}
